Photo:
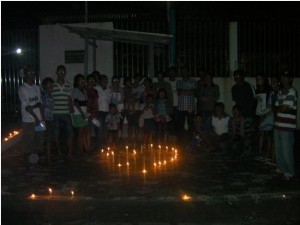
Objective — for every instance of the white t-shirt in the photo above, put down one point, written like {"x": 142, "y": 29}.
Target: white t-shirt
{"x": 30, "y": 95}
{"x": 104, "y": 98}
{"x": 80, "y": 96}
{"x": 220, "y": 125}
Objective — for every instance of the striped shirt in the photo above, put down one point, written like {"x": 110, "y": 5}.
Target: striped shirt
{"x": 286, "y": 120}
{"x": 185, "y": 101}
{"x": 61, "y": 95}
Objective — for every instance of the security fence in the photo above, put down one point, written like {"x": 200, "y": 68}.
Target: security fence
{"x": 267, "y": 47}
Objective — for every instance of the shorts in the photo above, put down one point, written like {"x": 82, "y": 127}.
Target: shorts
{"x": 63, "y": 122}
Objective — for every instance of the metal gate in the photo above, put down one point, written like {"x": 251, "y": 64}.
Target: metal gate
{"x": 11, "y": 63}
{"x": 265, "y": 47}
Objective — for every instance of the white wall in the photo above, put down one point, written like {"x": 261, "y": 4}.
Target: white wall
{"x": 55, "y": 40}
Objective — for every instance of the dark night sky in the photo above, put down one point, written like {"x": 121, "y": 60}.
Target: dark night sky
{"x": 16, "y": 15}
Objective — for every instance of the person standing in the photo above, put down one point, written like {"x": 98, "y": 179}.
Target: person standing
{"x": 63, "y": 107}
{"x": 80, "y": 116}
{"x": 162, "y": 110}
{"x": 162, "y": 84}
{"x": 207, "y": 96}
{"x": 186, "y": 88}
{"x": 172, "y": 74}
{"x": 263, "y": 124}
{"x": 105, "y": 96}
{"x": 243, "y": 95}
{"x": 31, "y": 104}
{"x": 118, "y": 100}
{"x": 48, "y": 107}
{"x": 285, "y": 125}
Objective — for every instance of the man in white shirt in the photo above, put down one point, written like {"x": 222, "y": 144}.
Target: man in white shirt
{"x": 105, "y": 96}
{"x": 30, "y": 97}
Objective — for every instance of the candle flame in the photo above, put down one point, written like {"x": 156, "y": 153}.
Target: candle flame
{"x": 112, "y": 153}
{"x": 127, "y": 163}
{"x": 50, "y": 190}
{"x": 134, "y": 152}
{"x": 154, "y": 164}
{"x": 186, "y": 197}
{"x": 119, "y": 165}
{"x": 144, "y": 171}
{"x": 72, "y": 193}
{"x": 32, "y": 196}
{"x": 5, "y": 139}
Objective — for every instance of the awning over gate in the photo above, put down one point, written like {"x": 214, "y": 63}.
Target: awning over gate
{"x": 116, "y": 35}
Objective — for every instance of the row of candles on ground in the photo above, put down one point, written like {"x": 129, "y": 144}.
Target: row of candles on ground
{"x": 158, "y": 157}
{"x": 11, "y": 135}
{"x": 184, "y": 197}
{"x": 34, "y": 196}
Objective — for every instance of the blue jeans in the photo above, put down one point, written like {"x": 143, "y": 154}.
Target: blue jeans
{"x": 284, "y": 151}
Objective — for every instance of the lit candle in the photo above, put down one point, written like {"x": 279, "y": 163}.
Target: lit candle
{"x": 134, "y": 158}
{"x": 186, "y": 197}
{"x": 127, "y": 154}
{"x": 72, "y": 193}
{"x": 50, "y": 191}
{"x": 113, "y": 156}
{"x": 32, "y": 196}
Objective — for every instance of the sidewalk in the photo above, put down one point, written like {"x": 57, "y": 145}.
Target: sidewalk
{"x": 194, "y": 189}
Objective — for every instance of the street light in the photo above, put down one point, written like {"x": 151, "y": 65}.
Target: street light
{"x": 19, "y": 51}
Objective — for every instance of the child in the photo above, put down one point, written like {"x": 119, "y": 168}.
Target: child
{"x": 148, "y": 120}
{"x": 132, "y": 113}
{"x": 162, "y": 117}
{"x": 219, "y": 123}
{"x": 239, "y": 132}
{"x": 200, "y": 133}
{"x": 48, "y": 107}
{"x": 112, "y": 124}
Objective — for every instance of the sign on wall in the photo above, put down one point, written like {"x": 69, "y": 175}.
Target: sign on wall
{"x": 74, "y": 56}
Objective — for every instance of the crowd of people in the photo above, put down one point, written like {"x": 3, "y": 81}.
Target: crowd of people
{"x": 90, "y": 114}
